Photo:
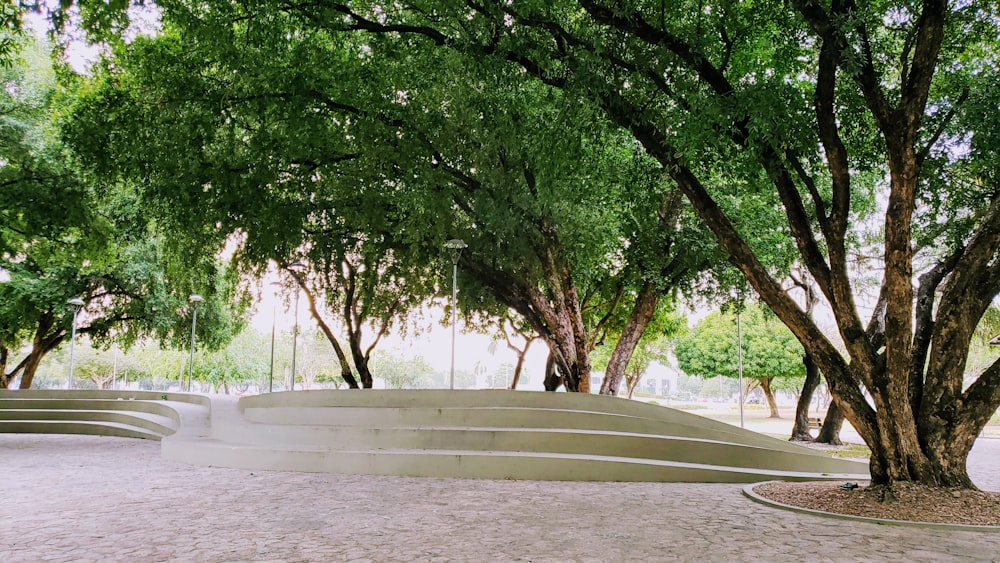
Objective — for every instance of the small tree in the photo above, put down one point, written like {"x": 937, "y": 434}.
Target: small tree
{"x": 770, "y": 350}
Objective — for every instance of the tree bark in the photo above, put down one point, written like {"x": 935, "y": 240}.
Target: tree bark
{"x": 47, "y": 337}
{"x": 360, "y": 360}
{"x": 552, "y": 379}
{"x": 772, "y": 405}
{"x": 30, "y": 367}
{"x": 800, "y": 429}
{"x": 4, "y": 381}
{"x": 631, "y": 382}
{"x": 521, "y": 354}
{"x": 829, "y": 432}
{"x": 642, "y": 313}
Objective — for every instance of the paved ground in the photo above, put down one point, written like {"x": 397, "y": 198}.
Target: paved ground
{"x": 88, "y": 498}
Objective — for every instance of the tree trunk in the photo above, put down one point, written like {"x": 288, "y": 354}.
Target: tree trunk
{"x": 632, "y": 382}
{"x": 800, "y": 430}
{"x": 521, "y": 353}
{"x": 4, "y": 378}
{"x": 829, "y": 433}
{"x": 765, "y": 386}
{"x": 552, "y": 308}
{"x": 42, "y": 344}
{"x": 30, "y": 367}
{"x": 552, "y": 379}
{"x": 361, "y": 364}
{"x": 642, "y": 312}
{"x": 345, "y": 366}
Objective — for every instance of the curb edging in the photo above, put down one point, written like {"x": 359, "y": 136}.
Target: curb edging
{"x": 752, "y": 495}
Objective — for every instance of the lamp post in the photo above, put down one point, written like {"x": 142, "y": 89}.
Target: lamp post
{"x": 76, "y": 303}
{"x": 194, "y": 299}
{"x": 270, "y": 375}
{"x": 455, "y": 246}
{"x": 295, "y": 268}
{"x": 739, "y": 356}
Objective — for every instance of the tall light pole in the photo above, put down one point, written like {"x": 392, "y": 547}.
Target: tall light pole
{"x": 455, "y": 246}
{"x": 194, "y": 299}
{"x": 76, "y": 303}
{"x": 270, "y": 375}
{"x": 739, "y": 356}
{"x": 295, "y": 268}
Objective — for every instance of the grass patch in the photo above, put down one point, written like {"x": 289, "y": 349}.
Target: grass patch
{"x": 852, "y": 451}
{"x": 690, "y": 407}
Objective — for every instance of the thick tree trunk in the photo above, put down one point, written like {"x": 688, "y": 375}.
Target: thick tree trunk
{"x": 765, "y": 386}
{"x": 30, "y": 367}
{"x": 642, "y": 313}
{"x": 552, "y": 379}
{"x": 42, "y": 344}
{"x": 361, "y": 364}
{"x": 4, "y": 382}
{"x": 800, "y": 430}
{"x": 829, "y": 432}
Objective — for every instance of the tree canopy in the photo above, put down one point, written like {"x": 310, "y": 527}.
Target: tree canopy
{"x": 365, "y": 170}
{"x": 62, "y": 238}
{"x": 809, "y": 113}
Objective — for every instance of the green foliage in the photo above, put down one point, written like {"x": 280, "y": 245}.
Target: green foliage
{"x": 400, "y": 373}
{"x": 62, "y": 237}
{"x": 769, "y": 349}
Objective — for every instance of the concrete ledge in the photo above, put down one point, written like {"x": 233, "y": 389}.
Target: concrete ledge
{"x": 76, "y": 427}
{"x": 137, "y": 414}
{"x": 466, "y": 464}
{"x": 154, "y": 423}
{"x": 492, "y": 434}
{"x": 467, "y": 434}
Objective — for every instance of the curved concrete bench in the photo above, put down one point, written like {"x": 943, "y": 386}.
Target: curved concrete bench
{"x": 493, "y": 434}
{"x": 135, "y": 414}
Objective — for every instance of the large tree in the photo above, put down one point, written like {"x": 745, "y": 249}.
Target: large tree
{"x": 804, "y": 103}
{"x": 366, "y": 170}
{"x": 813, "y": 107}
{"x": 60, "y": 239}
{"x": 798, "y": 101}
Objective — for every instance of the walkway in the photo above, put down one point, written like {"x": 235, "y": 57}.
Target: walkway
{"x": 88, "y": 498}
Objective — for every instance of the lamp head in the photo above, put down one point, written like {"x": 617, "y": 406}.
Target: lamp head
{"x": 75, "y": 302}
{"x": 195, "y": 298}
{"x": 456, "y": 246}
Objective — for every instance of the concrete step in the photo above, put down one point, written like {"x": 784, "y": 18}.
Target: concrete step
{"x": 41, "y": 426}
{"x": 689, "y": 426}
{"x": 550, "y": 440}
{"x": 470, "y": 464}
{"x": 155, "y": 423}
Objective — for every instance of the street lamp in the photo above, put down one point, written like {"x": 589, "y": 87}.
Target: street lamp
{"x": 739, "y": 356}
{"x": 295, "y": 268}
{"x": 455, "y": 246}
{"x": 76, "y": 303}
{"x": 194, "y": 299}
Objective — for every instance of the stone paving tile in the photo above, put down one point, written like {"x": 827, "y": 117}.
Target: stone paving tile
{"x": 89, "y": 498}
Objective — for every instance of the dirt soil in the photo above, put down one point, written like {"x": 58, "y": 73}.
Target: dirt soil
{"x": 914, "y": 503}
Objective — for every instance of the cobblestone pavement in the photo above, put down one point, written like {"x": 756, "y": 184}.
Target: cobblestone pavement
{"x": 88, "y": 498}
